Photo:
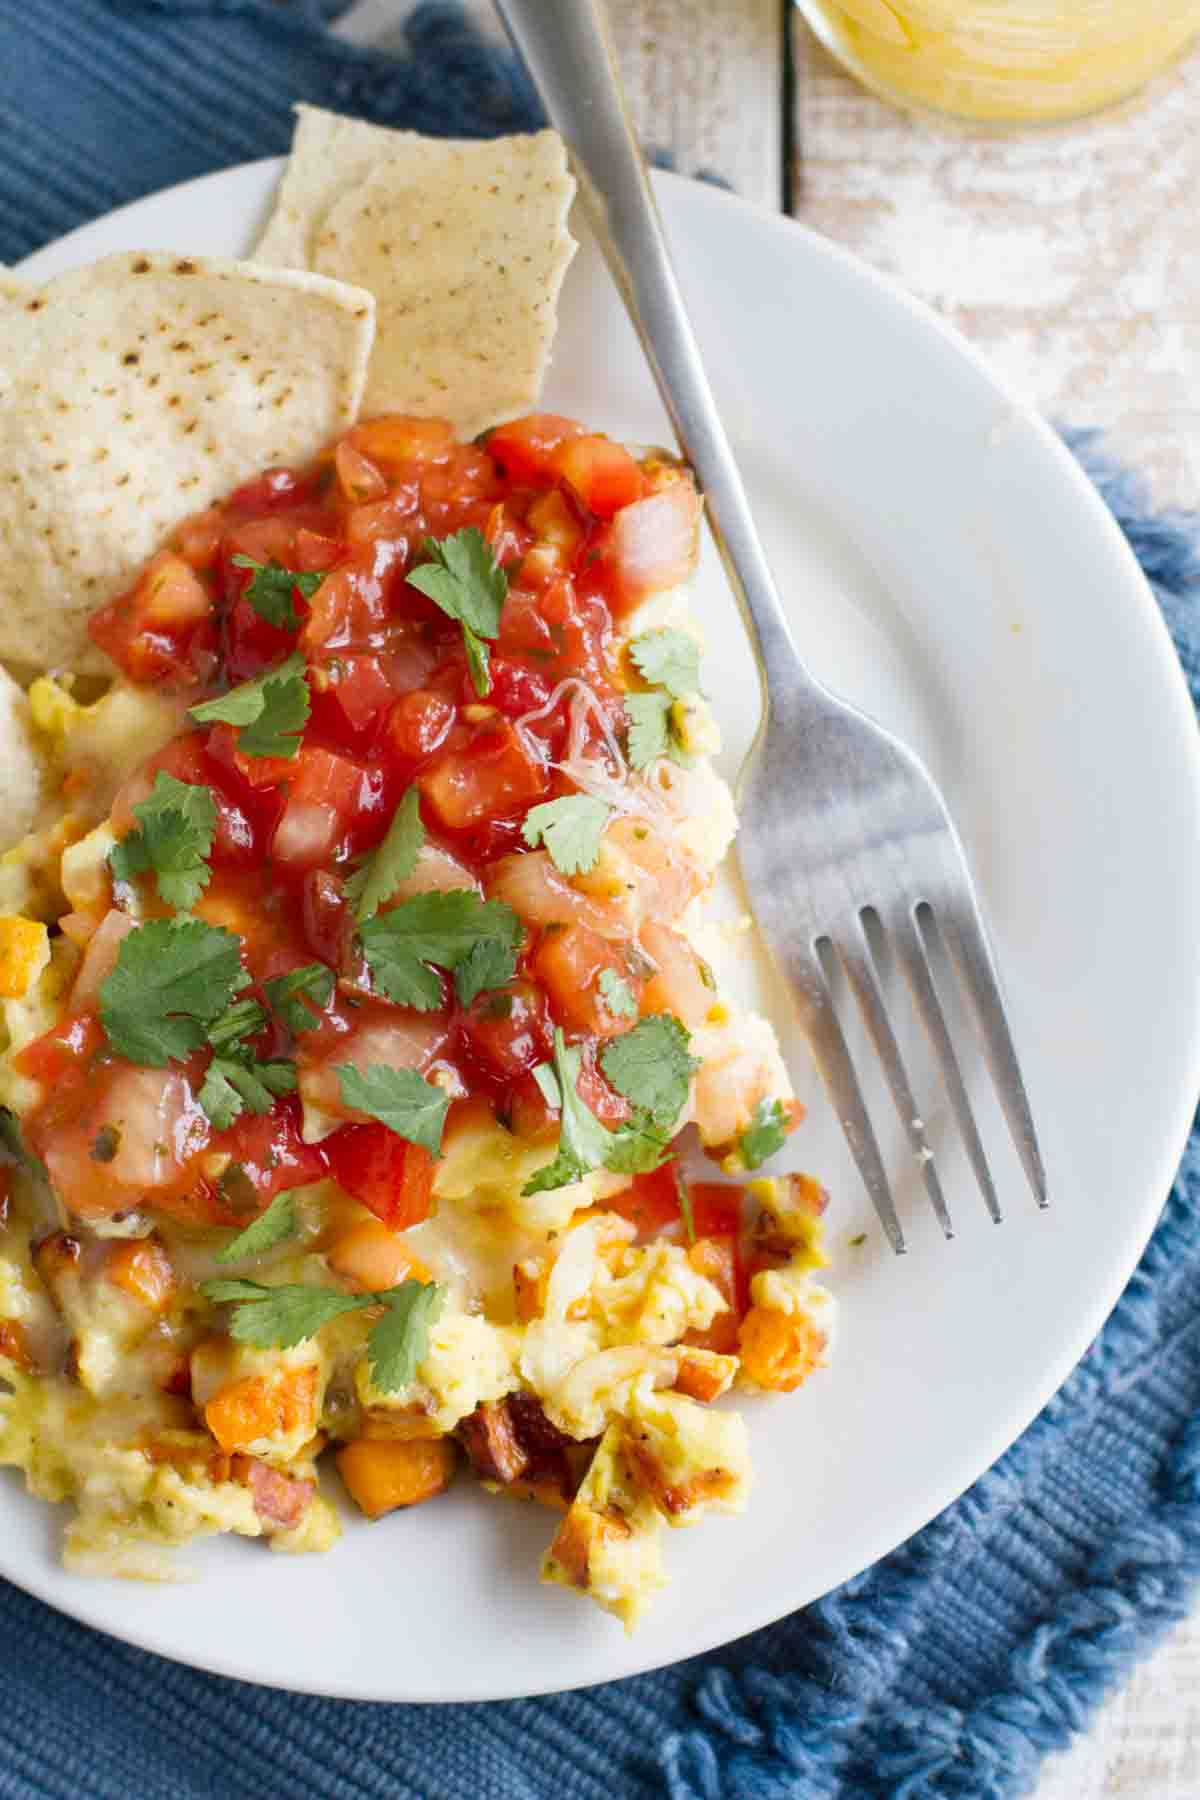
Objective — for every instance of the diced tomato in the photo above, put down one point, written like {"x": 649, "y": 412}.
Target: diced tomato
{"x": 569, "y": 963}
{"x": 387, "y": 521}
{"x": 419, "y": 722}
{"x": 386, "y": 1173}
{"x": 198, "y": 539}
{"x": 516, "y": 688}
{"x": 351, "y": 605}
{"x": 266, "y": 1156}
{"x": 525, "y": 448}
{"x": 360, "y": 689}
{"x": 555, "y": 520}
{"x": 508, "y": 1028}
{"x": 255, "y": 771}
{"x": 163, "y": 629}
{"x": 358, "y": 477}
{"x": 394, "y": 440}
{"x": 595, "y": 1091}
{"x": 493, "y": 774}
{"x": 530, "y": 1115}
{"x": 64, "y": 1051}
{"x": 719, "y": 1260}
{"x": 508, "y": 538}
{"x": 602, "y": 474}
{"x": 315, "y": 552}
{"x": 331, "y": 805}
{"x": 328, "y": 926}
{"x": 716, "y": 1209}
{"x": 652, "y": 1203}
{"x": 274, "y": 488}
{"x": 460, "y": 491}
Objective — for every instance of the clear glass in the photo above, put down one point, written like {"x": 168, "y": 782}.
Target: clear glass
{"x": 1007, "y": 61}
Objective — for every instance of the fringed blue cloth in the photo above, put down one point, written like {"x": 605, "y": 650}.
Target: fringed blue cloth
{"x": 943, "y": 1673}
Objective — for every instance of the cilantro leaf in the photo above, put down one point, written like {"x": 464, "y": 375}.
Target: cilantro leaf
{"x": 287, "y": 994}
{"x": 651, "y": 1067}
{"x": 669, "y": 659}
{"x": 439, "y": 929}
{"x": 583, "y": 1142}
{"x": 488, "y": 964}
{"x": 617, "y": 995}
{"x": 13, "y": 1148}
{"x": 271, "y": 1228}
{"x": 637, "y": 1146}
{"x": 244, "y": 1019}
{"x": 400, "y": 1340}
{"x": 173, "y": 977}
{"x": 683, "y": 1193}
{"x": 570, "y": 828}
{"x": 465, "y": 580}
{"x": 269, "y": 711}
{"x": 652, "y": 731}
{"x": 649, "y": 730}
{"x": 415, "y": 1109}
{"x": 547, "y": 1080}
{"x": 393, "y": 862}
{"x": 232, "y": 1086}
{"x": 277, "y": 1318}
{"x": 218, "y": 1097}
{"x": 174, "y": 836}
{"x": 766, "y": 1133}
{"x": 270, "y": 588}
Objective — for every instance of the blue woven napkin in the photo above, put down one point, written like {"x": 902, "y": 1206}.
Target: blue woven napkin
{"x": 948, "y": 1669}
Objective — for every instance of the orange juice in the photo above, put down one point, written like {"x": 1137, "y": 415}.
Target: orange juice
{"x": 1008, "y": 61}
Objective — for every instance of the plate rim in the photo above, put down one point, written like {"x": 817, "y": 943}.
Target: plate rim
{"x": 1166, "y": 1161}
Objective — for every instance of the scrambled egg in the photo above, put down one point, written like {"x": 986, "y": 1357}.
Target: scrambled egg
{"x": 577, "y": 1365}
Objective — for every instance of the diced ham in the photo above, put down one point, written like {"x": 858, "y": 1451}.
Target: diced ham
{"x": 279, "y": 1500}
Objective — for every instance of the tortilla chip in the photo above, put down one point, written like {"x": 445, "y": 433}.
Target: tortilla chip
{"x": 139, "y": 390}
{"x": 463, "y": 244}
{"x": 20, "y": 765}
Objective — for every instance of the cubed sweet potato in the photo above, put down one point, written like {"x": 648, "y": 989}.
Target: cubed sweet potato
{"x": 382, "y": 1475}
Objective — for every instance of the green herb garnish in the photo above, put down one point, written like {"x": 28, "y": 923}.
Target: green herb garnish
{"x": 278, "y": 1223}
{"x": 415, "y": 1109}
{"x": 405, "y": 947}
{"x": 270, "y": 589}
{"x": 463, "y": 577}
{"x": 766, "y": 1133}
{"x": 393, "y": 862}
{"x": 570, "y": 828}
{"x": 668, "y": 659}
{"x": 173, "y": 838}
{"x": 278, "y": 1318}
{"x": 172, "y": 980}
{"x": 269, "y": 712}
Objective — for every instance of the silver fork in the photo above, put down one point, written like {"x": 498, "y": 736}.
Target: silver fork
{"x": 841, "y": 825}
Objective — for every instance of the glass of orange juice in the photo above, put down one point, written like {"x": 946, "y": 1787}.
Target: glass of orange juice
{"x": 1005, "y": 61}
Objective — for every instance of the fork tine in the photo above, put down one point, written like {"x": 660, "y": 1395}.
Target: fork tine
{"x": 857, "y": 960}
{"x": 967, "y": 943}
{"x": 828, "y": 1046}
{"x": 910, "y": 953}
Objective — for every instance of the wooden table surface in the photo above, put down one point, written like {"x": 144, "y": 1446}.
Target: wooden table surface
{"x": 1068, "y": 256}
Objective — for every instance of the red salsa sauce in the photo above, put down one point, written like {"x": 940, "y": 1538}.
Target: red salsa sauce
{"x": 583, "y": 532}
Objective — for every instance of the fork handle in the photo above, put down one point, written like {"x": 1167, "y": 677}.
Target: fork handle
{"x": 569, "y": 53}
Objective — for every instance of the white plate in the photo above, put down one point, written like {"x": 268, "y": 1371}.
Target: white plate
{"x": 952, "y": 571}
